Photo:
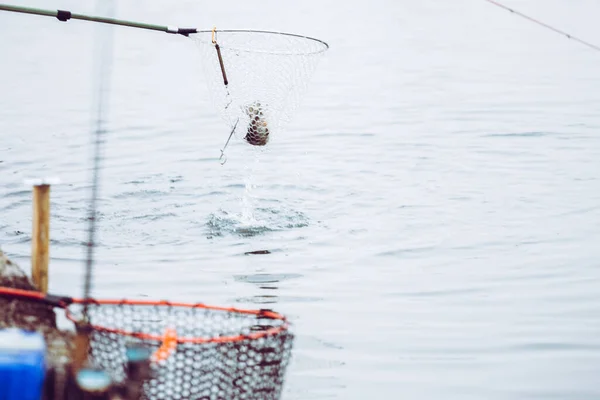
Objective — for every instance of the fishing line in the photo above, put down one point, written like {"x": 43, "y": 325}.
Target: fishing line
{"x": 103, "y": 60}
{"x": 226, "y": 143}
{"x": 568, "y": 35}
{"x": 103, "y": 54}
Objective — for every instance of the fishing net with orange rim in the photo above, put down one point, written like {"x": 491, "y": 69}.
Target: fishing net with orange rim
{"x": 198, "y": 351}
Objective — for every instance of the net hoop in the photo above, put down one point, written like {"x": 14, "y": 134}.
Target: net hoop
{"x": 267, "y": 314}
{"x": 65, "y": 302}
{"x": 322, "y": 46}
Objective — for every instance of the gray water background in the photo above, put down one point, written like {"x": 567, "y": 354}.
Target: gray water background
{"x": 432, "y": 211}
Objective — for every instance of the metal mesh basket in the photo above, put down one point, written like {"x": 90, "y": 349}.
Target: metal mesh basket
{"x": 199, "y": 352}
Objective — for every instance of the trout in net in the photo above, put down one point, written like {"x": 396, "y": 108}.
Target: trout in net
{"x": 258, "y": 130}
{"x": 256, "y": 78}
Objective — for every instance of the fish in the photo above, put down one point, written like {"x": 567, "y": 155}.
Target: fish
{"x": 258, "y": 129}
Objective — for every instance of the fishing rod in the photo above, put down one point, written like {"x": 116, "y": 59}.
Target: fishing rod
{"x": 64, "y": 16}
{"x": 105, "y": 56}
{"x": 568, "y": 35}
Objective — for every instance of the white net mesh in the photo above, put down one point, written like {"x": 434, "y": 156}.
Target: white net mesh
{"x": 266, "y": 74}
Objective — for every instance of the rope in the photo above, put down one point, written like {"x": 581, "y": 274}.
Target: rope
{"x": 568, "y": 35}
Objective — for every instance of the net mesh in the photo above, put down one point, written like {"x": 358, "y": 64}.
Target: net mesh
{"x": 235, "y": 365}
{"x": 266, "y": 73}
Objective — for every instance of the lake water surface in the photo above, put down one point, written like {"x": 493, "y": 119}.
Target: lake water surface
{"x": 432, "y": 212}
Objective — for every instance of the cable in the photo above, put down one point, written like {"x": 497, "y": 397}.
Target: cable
{"x": 569, "y": 36}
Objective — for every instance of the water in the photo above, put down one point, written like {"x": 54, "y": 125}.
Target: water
{"x": 431, "y": 215}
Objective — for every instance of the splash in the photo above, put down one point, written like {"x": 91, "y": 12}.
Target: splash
{"x": 247, "y": 216}
{"x": 266, "y": 220}
{"x": 254, "y": 217}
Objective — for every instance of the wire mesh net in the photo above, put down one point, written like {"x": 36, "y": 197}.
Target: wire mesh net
{"x": 198, "y": 352}
{"x": 256, "y": 79}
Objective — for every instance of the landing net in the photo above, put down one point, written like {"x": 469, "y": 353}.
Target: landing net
{"x": 198, "y": 351}
{"x": 194, "y": 351}
{"x": 256, "y": 78}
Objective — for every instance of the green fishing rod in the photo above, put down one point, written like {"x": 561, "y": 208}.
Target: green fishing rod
{"x": 64, "y": 16}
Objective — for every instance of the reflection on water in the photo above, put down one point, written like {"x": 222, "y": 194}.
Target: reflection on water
{"x": 268, "y": 286}
{"x": 266, "y": 278}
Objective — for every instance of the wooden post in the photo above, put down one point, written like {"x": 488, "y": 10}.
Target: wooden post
{"x": 40, "y": 236}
